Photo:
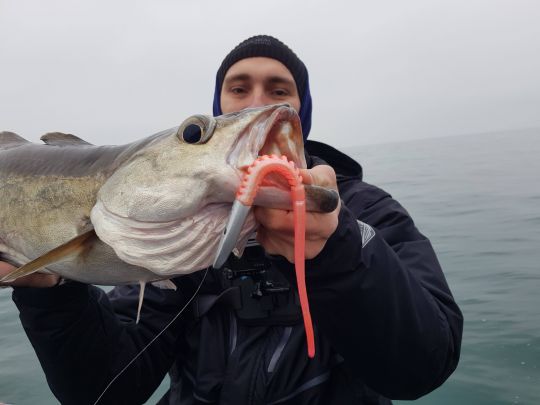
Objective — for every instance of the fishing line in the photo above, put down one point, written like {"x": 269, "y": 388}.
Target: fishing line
{"x": 154, "y": 339}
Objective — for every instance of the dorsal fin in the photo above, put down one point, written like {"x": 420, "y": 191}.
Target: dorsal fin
{"x": 61, "y": 139}
{"x": 10, "y": 140}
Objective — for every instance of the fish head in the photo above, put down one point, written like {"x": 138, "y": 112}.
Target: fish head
{"x": 200, "y": 162}
{"x": 165, "y": 208}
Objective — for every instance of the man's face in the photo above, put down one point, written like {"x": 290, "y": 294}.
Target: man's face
{"x": 256, "y": 82}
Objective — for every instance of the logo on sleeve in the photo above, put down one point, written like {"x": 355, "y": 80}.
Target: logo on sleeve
{"x": 367, "y": 232}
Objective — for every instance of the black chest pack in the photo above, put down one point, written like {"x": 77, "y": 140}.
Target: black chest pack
{"x": 257, "y": 292}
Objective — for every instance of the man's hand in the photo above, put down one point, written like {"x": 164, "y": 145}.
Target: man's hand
{"x": 33, "y": 280}
{"x": 276, "y": 231}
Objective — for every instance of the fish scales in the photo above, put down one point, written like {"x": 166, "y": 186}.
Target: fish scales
{"x": 158, "y": 205}
{"x": 47, "y": 194}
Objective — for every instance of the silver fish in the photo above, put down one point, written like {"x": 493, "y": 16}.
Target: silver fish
{"x": 141, "y": 212}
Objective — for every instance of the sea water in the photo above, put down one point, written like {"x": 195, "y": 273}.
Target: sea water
{"x": 477, "y": 198}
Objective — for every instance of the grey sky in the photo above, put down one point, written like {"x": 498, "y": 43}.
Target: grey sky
{"x": 380, "y": 71}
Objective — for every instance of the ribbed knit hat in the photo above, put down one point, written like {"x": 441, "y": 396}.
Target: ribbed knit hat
{"x": 269, "y": 47}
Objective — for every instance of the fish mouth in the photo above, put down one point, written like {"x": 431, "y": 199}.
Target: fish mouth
{"x": 276, "y": 131}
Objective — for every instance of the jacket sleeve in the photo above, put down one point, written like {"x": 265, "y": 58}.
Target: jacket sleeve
{"x": 83, "y": 339}
{"x": 378, "y": 293}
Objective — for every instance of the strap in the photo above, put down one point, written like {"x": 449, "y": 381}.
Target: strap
{"x": 304, "y": 387}
{"x": 204, "y": 302}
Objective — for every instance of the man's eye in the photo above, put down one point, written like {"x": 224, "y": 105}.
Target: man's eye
{"x": 238, "y": 90}
{"x": 280, "y": 92}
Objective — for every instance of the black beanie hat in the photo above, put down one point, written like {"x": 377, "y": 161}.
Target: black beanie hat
{"x": 270, "y": 47}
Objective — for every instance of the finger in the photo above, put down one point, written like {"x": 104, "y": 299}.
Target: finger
{"x": 32, "y": 280}
{"x": 5, "y": 268}
{"x": 318, "y": 225}
{"x": 275, "y": 219}
{"x": 284, "y": 246}
{"x": 39, "y": 280}
{"x": 307, "y": 177}
{"x": 276, "y": 244}
{"x": 322, "y": 175}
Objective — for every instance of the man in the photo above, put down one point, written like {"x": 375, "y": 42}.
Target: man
{"x": 386, "y": 325}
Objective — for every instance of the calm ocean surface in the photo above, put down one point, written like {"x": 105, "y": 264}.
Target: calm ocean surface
{"x": 478, "y": 199}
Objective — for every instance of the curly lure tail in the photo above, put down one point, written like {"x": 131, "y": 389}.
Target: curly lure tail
{"x": 245, "y": 195}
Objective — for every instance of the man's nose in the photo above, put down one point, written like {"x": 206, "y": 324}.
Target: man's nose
{"x": 259, "y": 99}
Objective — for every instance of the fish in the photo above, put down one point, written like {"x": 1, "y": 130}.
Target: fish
{"x": 146, "y": 211}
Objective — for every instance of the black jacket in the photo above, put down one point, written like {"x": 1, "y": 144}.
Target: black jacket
{"x": 386, "y": 324}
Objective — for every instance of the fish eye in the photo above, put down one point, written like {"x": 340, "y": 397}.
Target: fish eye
{"x": 192, "y": 133}
{"x": 196, "y": 129}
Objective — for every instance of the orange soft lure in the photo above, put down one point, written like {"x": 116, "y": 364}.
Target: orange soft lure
{"x": 245, "y": 195}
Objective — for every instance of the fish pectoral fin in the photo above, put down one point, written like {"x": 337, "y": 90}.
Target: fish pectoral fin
{"x": 141, "y": 298}
{"x": 74, "y": 247}
{"x": 163, "y": 284}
